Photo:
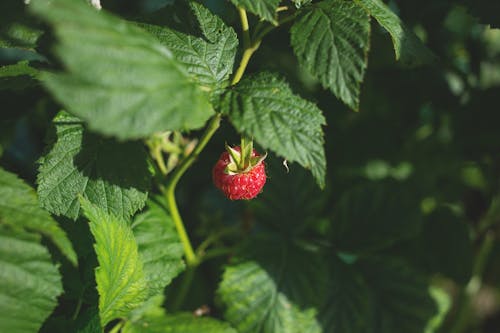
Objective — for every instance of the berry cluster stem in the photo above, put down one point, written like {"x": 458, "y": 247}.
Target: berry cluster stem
{"x": 169, "y": 191}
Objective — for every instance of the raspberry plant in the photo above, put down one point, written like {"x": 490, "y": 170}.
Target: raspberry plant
{"x": 114, "y": 224}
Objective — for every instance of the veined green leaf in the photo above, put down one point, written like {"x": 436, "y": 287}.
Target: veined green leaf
{"x": 386, "y": 212}
{"x": 30, "y": 282}
{"x": 121, "y": 80}
{"x": 331, "y": 40}
{"x": 347, "y": 306}
{"x": 266, "y": 9}
{"x": 177, "y": 323}
{"x": 120, "y": 278}
{"x": 272, "y": 287}
{"x": 402, "y": 299}
{"x": 209, "y": 59}
{"x": 111, "y": 175}
{"x": 408, "y": 48}
{"x": 19, "y": 208}
{"x": 159, "y": 247}
{"x": 264, "y": 107}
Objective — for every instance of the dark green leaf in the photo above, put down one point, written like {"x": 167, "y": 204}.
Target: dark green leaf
{"x": 402, "y": 298}
{"x": 120, "y": 278}
{"x": 19, "y": 208}
{"x": 30, "y": 282}
{"x": 374, "y": 216}
{"x": 408, "y": 48}
{"x": 209, "y": 59}
{"x": 159, "y": 247}
{"x": 112, "y": 175}
{"x": 266, "y": 9}
{"x": 331, "y": 40}
{"x": 264, "y": 107}
{"x": 290, "y": 202}
{"x": 121, "y": 80}
{"x": 17, "y": 77}
{"x": 272, "y": 287}
{"x": 448, "y": 246}
{"x": 347, "y": 305}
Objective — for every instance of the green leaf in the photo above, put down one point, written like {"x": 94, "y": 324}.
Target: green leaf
{"x": 159, "y": 247}
{"x": 19, "y": 35}
{"x": 209, "y": 59}
{"x": 272, "y": 287}
{"x": 30, "y": 282}
{"x": 121, "y": 81}
{"x": 177, "y": 323}
{"x": 19, "y": 208}
{"x": 290, "y": 202}
{"x": 408, "y": 48}
{"x": 375, "y": 216}
{"x": 120, "y": 277}
{"x": 89, "y": 322}
{"x": 444, "y": 246}
{"x": 18, "y": 77}
{"x": 347, "y": 305}
{"x": 112, "y": 175}
{"x": 402, "y": 299}
{"x": 266, "y": 9}
{"x": 331, "y": 40}
{"x": 264, "y": 107}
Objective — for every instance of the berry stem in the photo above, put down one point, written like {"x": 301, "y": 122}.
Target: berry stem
{"x": 169, "y": 191}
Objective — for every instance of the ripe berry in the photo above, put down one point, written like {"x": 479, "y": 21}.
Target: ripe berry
{"x": 238, "y": 179}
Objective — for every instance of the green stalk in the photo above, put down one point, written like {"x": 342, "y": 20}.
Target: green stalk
{"x": 463, "y": 313}
{"x": 248, "y": 46}
{"x": 169, "y": 191}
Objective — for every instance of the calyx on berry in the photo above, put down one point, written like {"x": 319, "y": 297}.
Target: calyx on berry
{"x": 242, "y": 159}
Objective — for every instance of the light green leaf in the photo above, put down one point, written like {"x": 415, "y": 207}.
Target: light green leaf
{"x": 159, "y": 246}
{"x": 386, "y": 212}
{"x": 264, "y": 107}
{"x": 30, "y": 283}
{"x": 19, "y": 208}
{"x": 209, "y": 59}
{"x": 177, "y": 323}
{"x": 347, "y": 305}
{"x": 120, "y": 279}
{"x": 402, "y": 299}
{"x": 112, "y": 175}
{"x": 331, "y": 40}
{"x": 266, "y": 9}
{"x": 121, "y": 80}
{"x": 408, "y": 48}
{"x": 272, "y": 287}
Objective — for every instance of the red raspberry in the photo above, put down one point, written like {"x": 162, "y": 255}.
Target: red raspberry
{"x": 237, "y": 186}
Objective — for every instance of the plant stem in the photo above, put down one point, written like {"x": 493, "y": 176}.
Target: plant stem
{"x": 249, "y": 47}
{"x": 169, "y": 192}
{"x": 184, "y": 288}
{"x": 117, "y": 327}
{"x": 463, "y": 313}
{"x": 218, "y": 252}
